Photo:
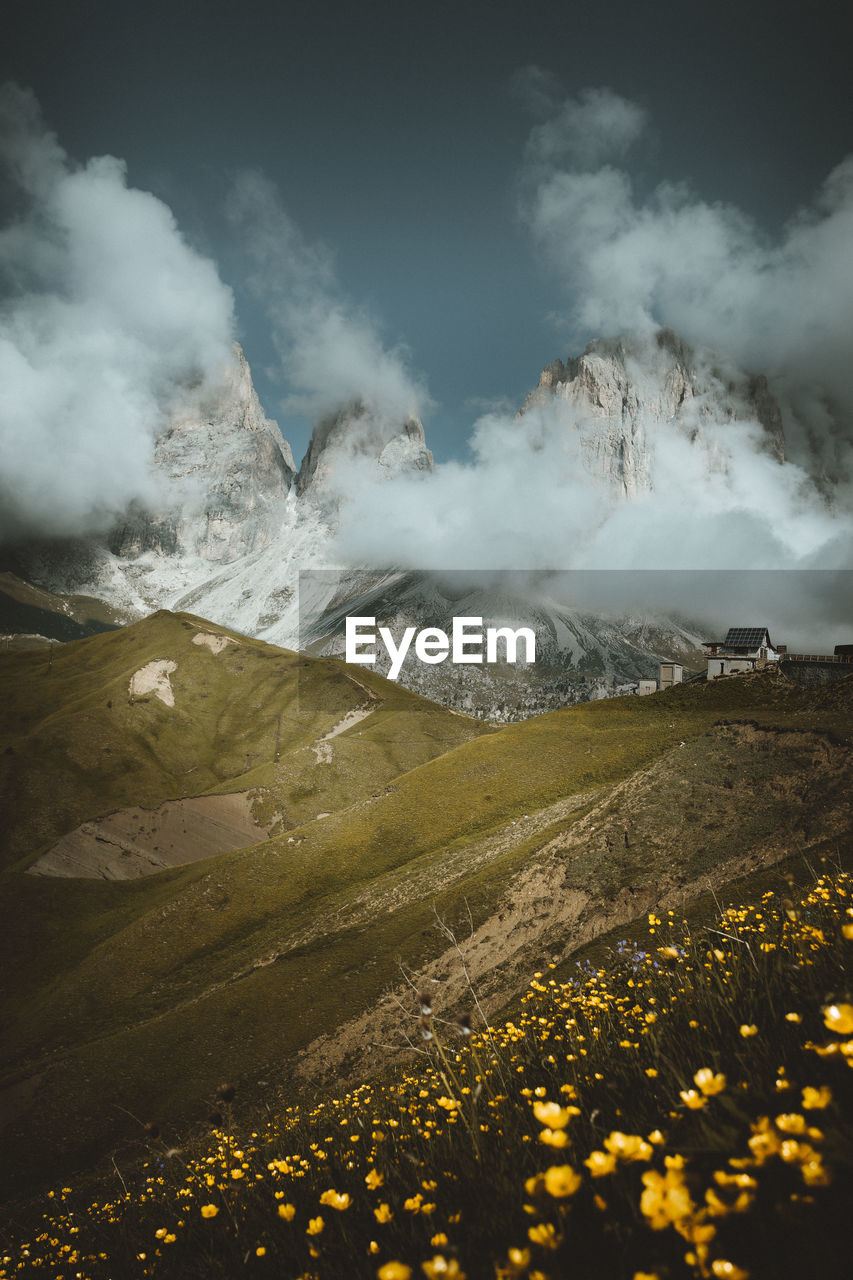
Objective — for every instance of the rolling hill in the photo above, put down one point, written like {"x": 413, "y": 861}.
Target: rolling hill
{"x": 383, "y": 821}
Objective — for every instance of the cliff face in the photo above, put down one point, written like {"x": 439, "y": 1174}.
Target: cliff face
{"x": 353, "y": 435}
{"x": 227, "y": 473}
{"x": 618, "y": 392}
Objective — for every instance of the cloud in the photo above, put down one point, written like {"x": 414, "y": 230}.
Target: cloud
{"x": 332, "y": 351}
{"x": 582, "y": 133}
{"x": 108, "y": 317}
{"x": 532, "y": 495}
{"x": 781, "y": 305}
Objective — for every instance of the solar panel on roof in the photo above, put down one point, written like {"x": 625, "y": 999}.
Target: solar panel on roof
{"x": 740, "y": 636}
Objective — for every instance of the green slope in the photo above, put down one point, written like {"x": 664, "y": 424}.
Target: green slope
{"x": 32, "y": 610}
{"x": 74, "y": 744}
{"x": 144, "y": 994}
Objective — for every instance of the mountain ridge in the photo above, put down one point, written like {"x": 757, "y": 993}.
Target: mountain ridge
{"x": 243, "y": 521}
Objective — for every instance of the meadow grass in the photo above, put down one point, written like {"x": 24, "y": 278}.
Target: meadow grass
{"x": 679, "y": 1108}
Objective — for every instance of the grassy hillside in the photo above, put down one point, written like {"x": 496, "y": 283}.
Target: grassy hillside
{"x": 678, "y": 1109}
{"x": 25, "y": 608}
{"x": 273, "y": 960}
{"x": 76, "y": 744}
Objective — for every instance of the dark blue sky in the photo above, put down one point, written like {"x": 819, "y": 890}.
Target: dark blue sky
{"x": 392, "y": 135}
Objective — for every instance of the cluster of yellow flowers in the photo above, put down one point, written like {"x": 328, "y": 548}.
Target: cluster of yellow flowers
{"x": 391, "y": 1171}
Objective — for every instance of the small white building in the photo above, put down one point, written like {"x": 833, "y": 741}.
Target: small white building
{"x": 645, "y": 687}
{"x": 744, "y": 649}
{"x": 670, "y": 673}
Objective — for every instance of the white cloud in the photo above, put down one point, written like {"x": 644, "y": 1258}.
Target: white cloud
{"x": 718, "y": 497}
{"x": 108, "y": 316}
{"x": 332, "y": 351}
{"x": 779, "y": 305}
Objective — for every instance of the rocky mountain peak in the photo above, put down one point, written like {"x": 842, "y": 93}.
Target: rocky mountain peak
{"x": 355, "y": 435}
{"x": 619, "y": 389}
{"x": 226, "y": 472}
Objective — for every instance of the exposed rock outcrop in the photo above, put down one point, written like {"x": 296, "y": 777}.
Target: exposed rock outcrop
{"x": 356, "y": 435}
{"x": 227, "y": 471}
{"x": 620, "y": 390}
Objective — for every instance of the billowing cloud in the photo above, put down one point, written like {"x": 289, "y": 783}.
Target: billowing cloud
{"x": 781, "y": 305}
{"x": 749, "y": 304}
{"x": 332, "y": 351}
{"x": 110, "y": 314}
{"x": 529, "y": 498}
{"x": 108, "y": 317}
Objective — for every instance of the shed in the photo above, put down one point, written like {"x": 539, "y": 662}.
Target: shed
{"x": 670, "y": 673}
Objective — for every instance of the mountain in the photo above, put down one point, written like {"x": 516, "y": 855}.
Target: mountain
{"x": 239, "y": 522}
{"x": 368, "y": 815}
{"x": 619, "y": 392}
{"x": 581, "y": 654}
{"x": 354, "y": 434}
{"x": 227, "y": 472}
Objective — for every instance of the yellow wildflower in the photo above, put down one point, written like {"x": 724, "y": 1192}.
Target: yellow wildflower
{"x": 544, "y": 1234}
{"x": 627, "y": 1146}
{"x": 287, "y": 1211}
{"x": 764, "y": 1141}
{"x": 791, "y": 1122}
{"x": 695, "y": 1101}
{"x": 600, "y": 1163}
{"x": 374, "y": 1179}
{"x": 553, "y": 1115}
{"x": 727, "y": 1270}
{"x": 315, "y": 1226}
{"x": 839, "y": 1018}
{"x": 557, "y": 1138}
{"x": 441, "y": 1268}
{"x": 665, "y": 1198}
{"x": 394, "y": 1271}
{"x": 209, "y": 1210}
{"x": 709, "y": 1083}
{"x": 383, "y": 1213}
{"x": 816, "y": 1099}
{"x": 561, "y": 1180}
{"x": 336, "y": 1199}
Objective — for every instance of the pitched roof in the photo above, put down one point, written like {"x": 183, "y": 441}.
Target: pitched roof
{"x": 745, "y": 637}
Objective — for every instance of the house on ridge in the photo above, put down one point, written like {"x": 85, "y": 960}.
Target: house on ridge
{"x": 744, "y": 649}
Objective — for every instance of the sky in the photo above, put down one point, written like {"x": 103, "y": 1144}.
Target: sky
{"x": 396, "y": 140}
{"x": 419, "y": 207}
